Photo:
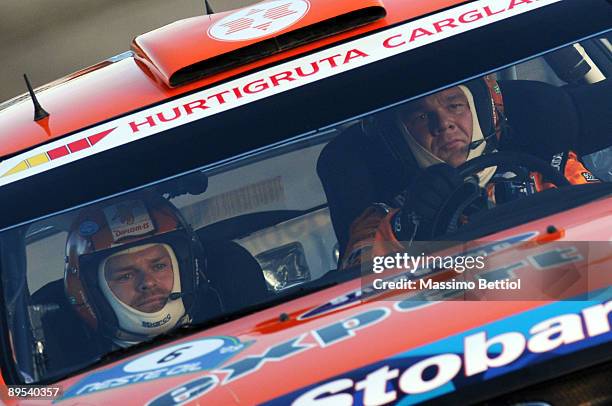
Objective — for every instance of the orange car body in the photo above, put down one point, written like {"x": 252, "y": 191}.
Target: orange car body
{"x": 108, "y": 89}
{"x": 304, "y": 350}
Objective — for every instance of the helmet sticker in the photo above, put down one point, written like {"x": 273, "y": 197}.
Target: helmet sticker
{"x": 259, "y": 20}
{"x": 88, "y": 228}
{"x": 128, "y": 219}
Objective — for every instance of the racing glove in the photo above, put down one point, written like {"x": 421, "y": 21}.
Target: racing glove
{"x": 569, "y": 164}
{"x": 431, "y": 190}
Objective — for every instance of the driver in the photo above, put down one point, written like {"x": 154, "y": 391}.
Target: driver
{"x": 443, "y": 132}
{"x": 134, "y": 270}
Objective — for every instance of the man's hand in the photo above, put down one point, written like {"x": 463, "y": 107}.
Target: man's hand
{"x": 362, "y": 236}
{"x": 429, "y": 192}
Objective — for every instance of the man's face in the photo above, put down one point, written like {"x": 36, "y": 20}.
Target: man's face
{"x": 442, "y": 124}
{"x": 143, "y": 279}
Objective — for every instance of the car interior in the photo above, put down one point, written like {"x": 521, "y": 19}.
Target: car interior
{"x": 354, "y": 168}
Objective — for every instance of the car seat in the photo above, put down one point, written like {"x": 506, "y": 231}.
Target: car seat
{"x": 360, "y": 166}
{"x": 235, "y": 274}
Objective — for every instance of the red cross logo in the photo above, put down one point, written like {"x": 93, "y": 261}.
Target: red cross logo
{"x": 263, "y": 18}
{"x": 260, "y": 20}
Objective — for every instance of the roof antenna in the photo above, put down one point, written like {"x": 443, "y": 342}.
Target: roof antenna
{"x": 209, "y": 9}
{"x": 39, "y": 112}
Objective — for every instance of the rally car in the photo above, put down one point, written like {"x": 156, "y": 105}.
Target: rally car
{"x": 225, "y": 159}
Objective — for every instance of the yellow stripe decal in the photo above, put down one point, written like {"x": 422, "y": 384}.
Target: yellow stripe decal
{"x": 21, "y": 166}
{"x": 38, "y": 159}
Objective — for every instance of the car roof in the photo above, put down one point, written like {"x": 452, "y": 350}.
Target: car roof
{"x": 123, "y": 84}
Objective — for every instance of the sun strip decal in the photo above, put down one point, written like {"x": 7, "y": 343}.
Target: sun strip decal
{"x": 263, "y": 84}
{"x": 56, "y": 152}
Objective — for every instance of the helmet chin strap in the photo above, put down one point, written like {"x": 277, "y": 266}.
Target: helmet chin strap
{"x": 133, "y": 324}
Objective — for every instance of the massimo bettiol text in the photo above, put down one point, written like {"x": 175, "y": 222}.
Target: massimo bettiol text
{"x": 458, "y": 264}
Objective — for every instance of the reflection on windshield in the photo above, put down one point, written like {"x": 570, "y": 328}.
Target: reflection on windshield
{"x": 126, "y": 270}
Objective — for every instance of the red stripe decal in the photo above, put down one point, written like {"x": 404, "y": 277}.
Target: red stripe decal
{"x": 78, "y": 145}
{"x": 94, "y": 139}
{"x": 58, "y": 152}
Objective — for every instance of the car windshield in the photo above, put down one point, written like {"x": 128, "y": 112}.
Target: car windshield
{"x": 253, "y": 229}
